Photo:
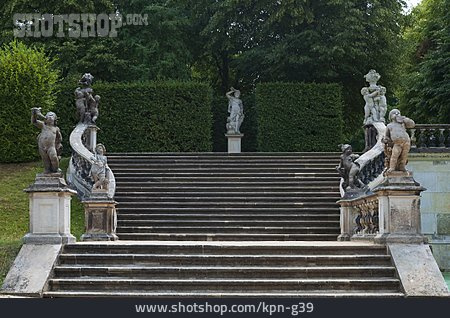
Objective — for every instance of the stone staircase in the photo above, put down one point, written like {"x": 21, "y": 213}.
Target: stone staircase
{"x": 224, "y": 269}
{"x": 220, "y": 197}
{"x": 218, "y": 225}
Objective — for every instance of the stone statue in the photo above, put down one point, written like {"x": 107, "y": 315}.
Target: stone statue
{"x": 375, "y": 100}
{"x": 99, "y": 168}
{"x": 49, "y": 140}
{"x": 236, "y": 110}
{"x": 85, "y": 101}
{"x": 348, "y": 168}
{"x": 398, "y": 139}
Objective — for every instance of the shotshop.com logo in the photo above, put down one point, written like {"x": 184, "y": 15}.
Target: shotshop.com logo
{"x": 73, "y": 25}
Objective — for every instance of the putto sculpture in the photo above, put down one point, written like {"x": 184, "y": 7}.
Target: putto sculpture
{"x": 49, "y": 140}
{"x": 375, "y": 100}
{"x": 99, "y": 168}
{"x": 349, "y": 169}
{"x": 85, "y": 101}
{"x": 236, "y": 111}
{"x": 397, "y": 141}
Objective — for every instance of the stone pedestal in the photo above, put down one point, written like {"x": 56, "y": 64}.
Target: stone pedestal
{"x": 100, "y": 217}
{"x": 234, "y": 142}
{"x": 399, "y": 209}
{"x": 49, "y": 210}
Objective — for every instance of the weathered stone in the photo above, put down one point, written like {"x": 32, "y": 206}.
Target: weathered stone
{"x": 49, "y": 210}
{"x": 234, "y": 142}
{"x": 100, "y": 217}
{"x": 31, "y": 270}
{"x": 418, "y": 271}
{"x": 236, "y": 111}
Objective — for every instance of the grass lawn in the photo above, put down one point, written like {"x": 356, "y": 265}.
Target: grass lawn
{"x": 14, "y": 211}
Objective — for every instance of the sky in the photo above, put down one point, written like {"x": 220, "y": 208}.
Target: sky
{"x": 412, "y": 3}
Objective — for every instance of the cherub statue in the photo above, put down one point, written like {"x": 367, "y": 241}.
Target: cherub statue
{"x": 381, "y": 103}
{"x": 348, "y": 168}
{"x": 236, "y": 110}
{"x": 398, "y": 139}
{"x": 86, "y": 103}
{"x": 370, "y": 109}
{"x": 49, "y": 140}
{"x": 99, "y": 168}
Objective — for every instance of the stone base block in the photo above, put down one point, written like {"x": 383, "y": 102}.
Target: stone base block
{"x": 234, "y": 142}
{"x": 418, "y": 271}
{"x": 343, "y": 237}
{"x": 38, "y": 238}
{"x": 400, "y": 238}
{"x": 31, "y": 270}
{"x": 100, "y": 218}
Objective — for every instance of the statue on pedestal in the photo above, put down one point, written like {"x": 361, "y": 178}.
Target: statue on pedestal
{"x": 236, "y": 110}
{"x": 49, "y": 140}
{"x": 397, "y": 141}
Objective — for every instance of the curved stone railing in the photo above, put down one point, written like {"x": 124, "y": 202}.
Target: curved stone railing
{"x": 78, "y": 173}
{"x": 371, "y": 163}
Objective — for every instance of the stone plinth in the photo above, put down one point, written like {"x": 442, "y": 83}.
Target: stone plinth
{"x": 234, "y": 142}
{"x": 49, "y": 210}
{"x": 100, "y": 217}
{"x": 92, "y": 129}
{"x": 399, "y": 209}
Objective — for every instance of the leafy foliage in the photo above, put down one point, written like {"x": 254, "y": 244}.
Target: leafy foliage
{"x": 28, "y": 80}
{"x": 425, "y": 92}
{"x": 299, "y": 116}
{"x": 153, "y": 116}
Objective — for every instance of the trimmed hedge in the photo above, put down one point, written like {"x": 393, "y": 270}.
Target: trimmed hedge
{"x": 27, "y": 80}
{"x": 145, "y": 116}
{"x": 299, "y": 117}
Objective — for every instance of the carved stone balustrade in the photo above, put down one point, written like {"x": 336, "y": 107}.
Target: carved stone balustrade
{"x": 359, "y": 218}
{"x": 430, "y": 138}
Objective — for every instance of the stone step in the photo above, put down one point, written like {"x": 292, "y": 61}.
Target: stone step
{"x": 223, "y": 248}
{"x": 229, "y": 179}
{"x": 223, "y": 155}
{"x": 258, "y": 170}
{"x": 226, "y": 237}
{"x": 203, "y": 294}
{"x": 217, "y": 285}
{"x": 175, "y": 221}
{"x": 256, "y": 211}
{"x": 229, "y": 229}
{"x": 267, "y": 183}
{"x": 238, "y": 217}
{"x": 269, "y": 164}
{"x": 229, "y": 199}
{"x": 179, "y": 204}
{"x": 210, "y": 194}
{"x": 224, "y": 174}
{"x": 224, "y": 271}
{"x": 157, "y": 188}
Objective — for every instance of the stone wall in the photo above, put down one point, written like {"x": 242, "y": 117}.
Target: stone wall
{"x": 432, "y": 170}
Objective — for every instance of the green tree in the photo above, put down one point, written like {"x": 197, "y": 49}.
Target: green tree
{"x": 425, "y": 92}
{"x": 28, "y": 80}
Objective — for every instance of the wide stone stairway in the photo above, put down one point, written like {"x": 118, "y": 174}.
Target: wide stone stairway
{"x": 250, "y": 224}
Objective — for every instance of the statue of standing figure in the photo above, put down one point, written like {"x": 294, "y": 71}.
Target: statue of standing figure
{"x": 375, "y": 99}
{"x": 99, "y": 168}
{"x": 397, "y": 141}
{"x": 49, "y": 140}
{"x": 236, "y": 111}
{"x": 348, "y": 169}
{"x": 85, "y": 101}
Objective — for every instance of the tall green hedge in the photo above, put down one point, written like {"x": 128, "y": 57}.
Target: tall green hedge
{"x": 145, "y": 117}
{"x": 27, "y": 79}
{"x": 299, "y": 116}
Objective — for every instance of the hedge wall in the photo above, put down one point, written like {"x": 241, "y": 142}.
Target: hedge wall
{"x": 145, "y": 117}
{"x": 299, "y": 117}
